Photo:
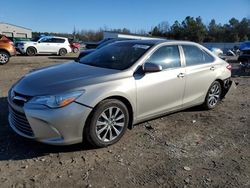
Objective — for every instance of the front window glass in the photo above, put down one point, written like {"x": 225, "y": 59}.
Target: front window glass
{"x": 47, "y": 40}
{"x": 166, "y": 56}
{"x": 117, "y": 56}
{"x": 35, "y": 39}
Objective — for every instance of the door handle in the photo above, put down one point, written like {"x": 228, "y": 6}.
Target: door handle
{"x": 212, "y": 68}
{"x": 181, "y": 75}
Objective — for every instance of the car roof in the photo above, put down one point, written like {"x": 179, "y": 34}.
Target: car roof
{"x": 153, "y": 42}
{"x": 53, "y": 37}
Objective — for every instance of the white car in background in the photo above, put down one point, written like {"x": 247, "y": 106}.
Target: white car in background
{"x": 44, "y": 45}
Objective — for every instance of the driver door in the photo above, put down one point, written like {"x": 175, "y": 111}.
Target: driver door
{"x": 45, "y": 45}
{"x": 161, "y": 92}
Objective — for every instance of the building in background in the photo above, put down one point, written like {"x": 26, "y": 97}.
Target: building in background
{"x": 113, "y": 35}
{"x": 15, "y": 31}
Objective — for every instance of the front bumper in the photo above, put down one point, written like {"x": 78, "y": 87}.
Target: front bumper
{"x": 61, "y": 126}
{"x": 20, "y": 49}
{"x": 228, "y": 87}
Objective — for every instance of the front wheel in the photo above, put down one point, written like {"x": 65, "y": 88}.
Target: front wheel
{"x": 31, "y": 51}
{"x": 4, "y": 58}
{"x": 108, "y": 123}
{"x": 213, "y": 95}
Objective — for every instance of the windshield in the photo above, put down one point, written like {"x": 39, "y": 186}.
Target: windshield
{"x": 117, "y": 56}
{"x": 35, "y": 39}
{"x": 105, "y": 43}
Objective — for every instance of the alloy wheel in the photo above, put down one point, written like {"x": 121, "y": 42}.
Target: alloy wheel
{"x": 3, "y": 58}
{"x": 110, "y": 124}
{"x": 214, "y": 95}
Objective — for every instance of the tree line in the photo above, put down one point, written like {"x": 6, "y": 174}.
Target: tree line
{"x": 191, "y": 28}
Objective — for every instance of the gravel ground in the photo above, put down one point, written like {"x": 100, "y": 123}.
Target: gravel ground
{"x": 191, "y": 148}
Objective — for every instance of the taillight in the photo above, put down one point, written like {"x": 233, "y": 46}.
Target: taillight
{"x": 229, "y": 67}
{"x": 12, "y": 43}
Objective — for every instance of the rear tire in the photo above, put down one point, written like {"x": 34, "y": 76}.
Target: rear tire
{"x": 4, "y": 57}
{"x": 213, "y": 96}
{"x": 31, "y": 51}
{"x": 107, "y": 124}
{"x": 62, "y": 52}
{"x": 75, "y": 50}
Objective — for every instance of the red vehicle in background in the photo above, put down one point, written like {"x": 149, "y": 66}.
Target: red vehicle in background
{"x": 75, "y": 46}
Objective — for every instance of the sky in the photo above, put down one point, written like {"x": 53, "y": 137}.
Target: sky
{"x": 64, "y": 15}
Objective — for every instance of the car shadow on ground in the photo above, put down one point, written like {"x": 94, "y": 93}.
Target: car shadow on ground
{"x": 62, "y": 57}
{"x": 14, "y": 147}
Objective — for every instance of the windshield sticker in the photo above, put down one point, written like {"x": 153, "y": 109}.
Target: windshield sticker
{"x": 145, "y": 47}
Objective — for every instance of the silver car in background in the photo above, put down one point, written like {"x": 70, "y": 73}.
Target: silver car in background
{"x": 111, "y": 89}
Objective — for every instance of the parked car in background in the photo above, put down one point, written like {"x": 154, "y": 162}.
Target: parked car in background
{"x": 75, "y": 46}
{"x": 91, "y": 45}
{"x": 244, "y": 57}
{"x": 217, "y": 51}
{"x": 113, "y": 88}
{"x": 44, "y": 45}
{"x": 7, "y": 49}
{"x": 88, "y": 51}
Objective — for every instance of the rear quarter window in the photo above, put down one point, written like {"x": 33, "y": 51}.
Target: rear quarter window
{"x": 196, "y": 56}
{"x": 57, "y": 40}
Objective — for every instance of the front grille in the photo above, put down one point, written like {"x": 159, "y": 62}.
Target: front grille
{"x": 20, "y": 122}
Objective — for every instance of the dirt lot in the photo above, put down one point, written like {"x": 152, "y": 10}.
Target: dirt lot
{"x": 192, "y": 148}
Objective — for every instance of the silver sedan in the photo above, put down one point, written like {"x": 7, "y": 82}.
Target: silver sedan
{"x": 111, "y": 89}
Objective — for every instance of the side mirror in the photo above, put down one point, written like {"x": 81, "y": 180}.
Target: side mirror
{"x": 39, "y": 41}
{"x": 151, "y": 67}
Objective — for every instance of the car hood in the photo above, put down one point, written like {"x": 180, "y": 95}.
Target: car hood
{"x": 26, "y": 42}
{"x": 62, "y": 78}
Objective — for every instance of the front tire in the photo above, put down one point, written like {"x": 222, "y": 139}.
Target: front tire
{"x": 213, "y": 96}
{"x": 108, "y": 123}
{"x": 4, "y": 57}
{"x": 31, "y": 51}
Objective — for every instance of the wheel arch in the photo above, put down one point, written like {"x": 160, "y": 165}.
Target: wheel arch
{"x": 31, "y": 47}
{"x": 4, "y": 50}
{"x": 61, "y": 49}
{"x": 224, "y": 90}
{"x": 124, "y": 101}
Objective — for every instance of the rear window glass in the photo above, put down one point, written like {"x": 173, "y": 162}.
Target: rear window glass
{"x": 57, "y": 40}
{"x": 196, "y": 56}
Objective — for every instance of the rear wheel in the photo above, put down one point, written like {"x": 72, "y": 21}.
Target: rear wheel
{"x": 75, "y": 50}
{"x": 213, "y": 95}
{"x": 4, "y": 57}
{"x": 31, "y": 51}
{"x": 62, "y": 52}
{"x": 108, "y": 123}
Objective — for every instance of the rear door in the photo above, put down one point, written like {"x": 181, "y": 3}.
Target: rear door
{"x": 160, "y": 92}
{"x": 200, "y": 73}
{"x": 57, "y": 44}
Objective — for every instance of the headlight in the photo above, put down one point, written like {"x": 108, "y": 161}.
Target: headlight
{"x": 57, "y": 101}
